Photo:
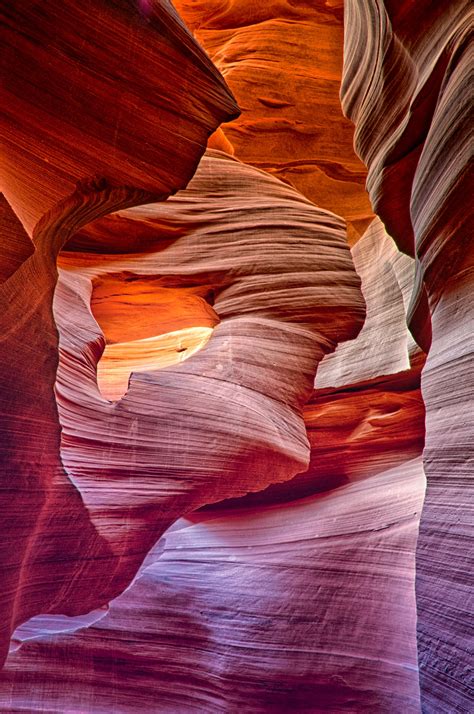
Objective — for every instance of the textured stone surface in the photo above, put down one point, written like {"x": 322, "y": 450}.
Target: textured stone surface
{"x": 384, "y": 345}
{"x": 214, "y": 437}
{"x": 84, "y": 88}
{"x": 283, "y": 62}
{"x": 66, "y": 159}
{"x": 164, "y": 448}
{"x": 412, "y": 130}
{"x": 273, "y": 610}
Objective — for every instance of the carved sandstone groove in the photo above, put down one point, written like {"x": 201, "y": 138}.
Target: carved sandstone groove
{"x": 164, "y": 449}
{"x": 71, "y": 151}
{"x": 406, "y": 88}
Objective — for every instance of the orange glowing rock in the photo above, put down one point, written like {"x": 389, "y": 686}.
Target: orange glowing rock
{"x": 148, "y": 354}
{"x": 283, "y": 62}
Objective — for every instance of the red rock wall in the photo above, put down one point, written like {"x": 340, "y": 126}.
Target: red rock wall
{"x": 67, "y": 158}
{"x": 84, "y": 88}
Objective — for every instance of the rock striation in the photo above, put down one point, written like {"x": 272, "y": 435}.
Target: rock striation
{"x": 64, "y": 122}
{"x": 258, "y": 610}
{"x": 412, "y": 130}
{"x": 66, "y": 159}
{"x": 144, "y": 460}
{"x": 283, "y": 62}
{"x": 229, "y": 372}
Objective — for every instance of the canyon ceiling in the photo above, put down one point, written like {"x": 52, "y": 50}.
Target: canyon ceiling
{"x": 237, "y": 327}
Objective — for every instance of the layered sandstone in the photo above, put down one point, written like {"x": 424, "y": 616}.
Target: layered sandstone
{"x": 412, "y": 130}
{"x": 306, "y": 606}
{"x": 84, "y": 88}
{"x": 268, "y": 268}
{"x": 213, "y": 410}
{"x": 69, "y": 155}
{"x": 283, "y": 62}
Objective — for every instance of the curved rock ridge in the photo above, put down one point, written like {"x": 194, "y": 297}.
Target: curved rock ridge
{"x": 72, "y": 150}
{"x": 412, "y": 130}
{"x": 141, "y": 121}
{"x": 384, "y": 345}
{"x": 33, "y": 480}
{"x": 45, "y": 555}
{"x": 366, "y": 413}
{"x": 269, "y": 610}
{"x": 284, "y": 291}
{"x": 283, "y": 62}
{"x": 355, "y": 432}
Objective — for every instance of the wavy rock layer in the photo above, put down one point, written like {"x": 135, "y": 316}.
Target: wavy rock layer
{"x": 269, "y": 265}
{"x": 228, "y": 580}
{"x": 127, "y": 497}
{"x": 273, "y": 610}
{"x": 283, "y": 62}
{"x": 216, "y": 431}
{"x": 62, "y": 121}
{"x": 69, "y": 154}
{"x": 412, "y": 131}
{"x": 384, "y": 346}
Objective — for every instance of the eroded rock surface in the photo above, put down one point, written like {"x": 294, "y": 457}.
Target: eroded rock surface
{"x": 283, "y": 62}
{"x": 69, "y": 155}
{"x": 165, "y": 447}
{"x": 216, "y": 418}
{"x": 268, "y": 610}
{"x": 84, "y": 88}
{"x": 412, "y": 131}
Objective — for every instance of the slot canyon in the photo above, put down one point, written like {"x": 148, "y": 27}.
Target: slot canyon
{"x": 237, "y": 329}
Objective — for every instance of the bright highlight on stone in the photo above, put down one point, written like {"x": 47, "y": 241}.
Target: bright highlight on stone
{"x": 146, "y": 355}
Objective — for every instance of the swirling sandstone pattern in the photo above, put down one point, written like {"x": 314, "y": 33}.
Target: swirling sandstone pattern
{"x": 283, "y": 62}
{"x": 62, "y": 121}
{"x": 412, "y": 131}
{"x": 269, "y": 266}
{"x": 69, "y": 154}
{"x": 258, "y": 611}
{"x": 214, "y": 435}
